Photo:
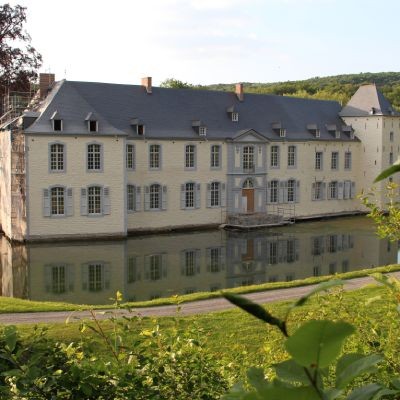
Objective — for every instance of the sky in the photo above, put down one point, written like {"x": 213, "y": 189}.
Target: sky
{"x": 213, "y": 41}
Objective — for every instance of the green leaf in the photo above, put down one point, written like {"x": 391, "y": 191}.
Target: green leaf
{"x": 10, "y": 337}
{"x": 256, "y": 378}
{"x": 350, "y": 366}
{"x": 321, "y": 287}
{"x": 254, "y": 309}
{"x": 290, "y": 393}
{"x": 290, "y": 371}
{"x": 369, "y": 392}
{"x": 316, "y": 344}
{"x": 333, "y": 394}
{"x": 395, "y": 167}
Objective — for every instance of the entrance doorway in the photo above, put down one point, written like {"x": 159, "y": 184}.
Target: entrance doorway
{"x": 248, "y": 195}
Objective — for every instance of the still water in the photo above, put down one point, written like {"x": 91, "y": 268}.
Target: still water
{"x": 150, "y": 267}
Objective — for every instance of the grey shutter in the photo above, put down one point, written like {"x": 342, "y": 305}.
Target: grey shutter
{"x": 106, "y": 201}
{"x": 297, "y": 192}
{"x": 197, "y": 260}
{"x": 285, "y": 191}
{"x": 85, "y": 276}
{"x": 208, "y": 194}
{"x": 183, "y": 262}
{"x": 46, "y": 203}
{"x": 48, "y": 275}
{"x": 198, "y": 187}
{"x": 297, "y": 249}
{"x": 328, "y": 192}
{"x": 223, "y": 257}
{"x": 138, "y": 198}
{"x": 146, "y": 198}
{"x": 223, "y": 195}
{"x": 107, "y": 275}
{"x": 313, "y": 191}
{"x": 323, "y": 190}
{"x": 340, "y": 190}
{"x": 352, "y": 190}
{"x": 147, "y": 267}
{"x": 183, "y": 197}
{"x": 84, "y": 201}
{"x": 267, "y": 192}
{"x": 69, "y": 271}
{"x": 164, "y": 198}
{"x": 281, "y": 189}
{"x": 208, "y": 259}
{"x": 70, "y": 202}
{"x": 164, "y": 265}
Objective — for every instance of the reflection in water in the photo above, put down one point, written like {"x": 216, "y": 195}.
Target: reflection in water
{"x": 150, "y": 267}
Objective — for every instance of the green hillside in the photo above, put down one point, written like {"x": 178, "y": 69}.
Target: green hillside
{"x": 339, "y": 87}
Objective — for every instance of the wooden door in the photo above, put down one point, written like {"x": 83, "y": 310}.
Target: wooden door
{"x": 249, "y": 194}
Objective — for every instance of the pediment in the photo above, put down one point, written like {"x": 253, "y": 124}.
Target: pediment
{"x": 249, "y": 135}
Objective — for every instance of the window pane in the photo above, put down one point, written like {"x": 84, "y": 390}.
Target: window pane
{"x": 94, "y": 200}
{"x": 57, "y": 201}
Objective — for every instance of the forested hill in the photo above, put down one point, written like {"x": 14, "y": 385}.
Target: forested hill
{"x": 339, "y": 87}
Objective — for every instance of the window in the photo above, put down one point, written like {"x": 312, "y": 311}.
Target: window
{"x": 272, "y": 252}
{"x": 155, "y": 197}
{"x": 140, "y": 129}
{"x": 333, "y": 190}
{"x": 94, "y": 157}
{"x": 190, "y": 263}
{"x": 214, "y": 261}
{"x": 130, "y": 156}
{"x": 318, "y": 160}
{"x": 155, "y": 156}
{"x": 273, "y": 194}
{"x": 334, "y": 160}
{"x": 155, "y": 266}
{"x": 95, "y": 277}
{"x": 291, "y": 161}
{"x": 202, "y": 130}
{"x": 58, "y": 279}
{"x": 57, "y": 157}
{"x": 248, "y": 158}
{"x": 235, "y": 117}
{"x": 215, "y": 194}
{"x": 215, "y": 156}
{"x": 391, "y": 158}
{"x": 332, "y": 246}
{"x": 347, "y": 160}
{"x": 57, "y": 124}
{"x": 318, "y": 190}
{"x": 282, "y": 133}
{"x": 391, "y": 136}
{"x": 291, "y": 187}
{"x": 274, "y": 156}
{"x": 130, "y": 198}
{"x": 94, "y": 200}
{"x": 57, "y": 201}
{"x": 317, "y": 271}
{"x": 190, "y": 154}
{"x": 317, "y": 246}
{"x": 93, "y": 126}
{"x": 132, "y": 273}
{"x": 337, "y": 134}
{"x": 189, "y": 195}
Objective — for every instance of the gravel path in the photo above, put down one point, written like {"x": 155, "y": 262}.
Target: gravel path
{"x": 195, "y": 307}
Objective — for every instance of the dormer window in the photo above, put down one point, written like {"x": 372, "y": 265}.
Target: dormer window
{"x": 140, "y": 129}
{"x": 57, "y": 125}
{"x": 317, "y": 133}
{"x": 202, "y": 130}
{"x": 337, "y": 134}
{"x": 235, "y": 116}
{"x": 372, "y": 111}
{"x": 93, "y": 126}
{"x": 282, "y": 133}
{"x": 313, "y": 129}
{"x": 352, "y": 135}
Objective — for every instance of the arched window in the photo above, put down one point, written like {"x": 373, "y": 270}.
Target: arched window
{"x": 248, "y": 184}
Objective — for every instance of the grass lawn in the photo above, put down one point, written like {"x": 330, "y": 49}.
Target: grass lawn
{"x": 11, "y": 305}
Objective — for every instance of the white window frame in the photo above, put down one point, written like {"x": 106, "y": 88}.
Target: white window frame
{"x": 274, "y": 159}
{"x": 155, "y": 197}
{"x": 94, "y": 157}
{"x": 131, "y": 198}
{"x": 54, "y": 125}
{"x": 215, "y": 161}
{"x": 57, "y": 159}
{"x": 94, "y": 200}
{"x": 291, "y": 190}
{"x": 215, "y": 194}
{"x": 96, "y": 126}
{"x": 347, "y": 160}
{"x": 57, "y": 201}
{"x": 333, "y": 190}
{"x": 248, "y": 159}
{"x": 292, "y": 156}
{"x": 130, "y": 156}
{"x": 335, "y": 160}
{"x": 274, "y": 191}
{"x": 190, "y": 156}
{"x": 319, "y": 160}
{"x": 235, "y": 117}
{"x": 318, "y": 190}
{"x": 154, "y": 156}
{"x": 190, "y": 195}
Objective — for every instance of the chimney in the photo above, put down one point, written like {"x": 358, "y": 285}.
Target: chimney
{"x": 46, "y": 82}
{"x": 146, "y": 83}
{"x": 239, "y": 91}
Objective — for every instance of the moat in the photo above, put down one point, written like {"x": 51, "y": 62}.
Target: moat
{"x": 149, "y": 267}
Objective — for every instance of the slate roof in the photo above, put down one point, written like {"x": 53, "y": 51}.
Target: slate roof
{"x": 169, "y": 113}
{"x": 368, "y": 100}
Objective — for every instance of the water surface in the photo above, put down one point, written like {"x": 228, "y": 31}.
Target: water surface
{"x": 143, "y": 268}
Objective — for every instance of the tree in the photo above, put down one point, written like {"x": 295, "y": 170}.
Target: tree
{"x": 175, "y": 84}
{"x": 19, "y": 61}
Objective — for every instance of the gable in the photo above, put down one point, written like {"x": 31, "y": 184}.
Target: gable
{"x": 250, "y": 136}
